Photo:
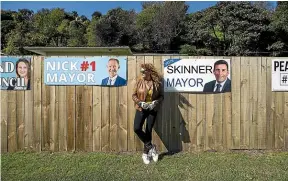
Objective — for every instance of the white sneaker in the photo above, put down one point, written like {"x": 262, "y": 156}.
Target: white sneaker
{"x": 145, "y": 158}
{"x": 153, "y": 153}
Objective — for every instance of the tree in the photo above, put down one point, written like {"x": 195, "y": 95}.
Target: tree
{"x": 279, "y": 26}
{"x": 115, "y": 28}
{"x": 77, "y": 30}
{"x": 228, "y": 28}
{"x": 144, "y": 26}
{"x": 188, "y": 49}
{"x": 231, "y": 28}
{"x": 92, "y": 38}
{"x": 167, "y": 23}
{"x": 96, "y": 14}
{"x": 47, "y": 23}
{"x": 20, "y": 35}
{"x": 7, "y": 25}
{"x": 263, "y": 4}
{"x": 159, "y": 24}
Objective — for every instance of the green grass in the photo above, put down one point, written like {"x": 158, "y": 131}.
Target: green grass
{"x": 112, "y": 166}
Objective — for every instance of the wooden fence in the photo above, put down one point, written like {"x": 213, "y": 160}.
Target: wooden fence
{"x": 95, "y": 118}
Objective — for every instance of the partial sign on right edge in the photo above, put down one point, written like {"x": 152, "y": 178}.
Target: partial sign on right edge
{"x": 279, "y": 75}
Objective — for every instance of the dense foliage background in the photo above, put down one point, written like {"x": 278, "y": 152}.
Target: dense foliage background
{"x": 228, "y": 28}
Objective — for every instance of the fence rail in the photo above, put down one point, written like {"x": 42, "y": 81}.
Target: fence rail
{"x": 95, "y": 118}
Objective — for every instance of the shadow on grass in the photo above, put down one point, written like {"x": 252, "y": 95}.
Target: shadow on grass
{"x": 168, "y": 153}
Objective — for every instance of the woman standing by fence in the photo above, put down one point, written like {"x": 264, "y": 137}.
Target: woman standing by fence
{"x": 147, "y": 95}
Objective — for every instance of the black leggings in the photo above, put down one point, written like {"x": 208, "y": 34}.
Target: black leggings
{"x": 145, "y": 137}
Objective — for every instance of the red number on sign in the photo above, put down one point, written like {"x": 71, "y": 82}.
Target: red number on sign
{"x": 93, "y": 64}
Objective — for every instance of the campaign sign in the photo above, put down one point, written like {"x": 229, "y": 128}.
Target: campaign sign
{"x": 197, "y": 75}
{"x": 279, "y": 75}
{"x": 105, "y": 71}
{"x": 15, "y": 73}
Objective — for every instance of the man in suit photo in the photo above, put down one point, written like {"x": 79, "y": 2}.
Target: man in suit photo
{"x": 222, "y": 82}
{"x": 114, "y": 79}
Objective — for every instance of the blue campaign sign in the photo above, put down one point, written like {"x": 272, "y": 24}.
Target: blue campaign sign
{"x": 15, "y": 73}
{"x": 105, "y": 71}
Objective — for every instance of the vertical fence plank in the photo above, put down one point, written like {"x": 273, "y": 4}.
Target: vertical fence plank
{"x": 286, "y": 121}
{"x": 236, "y": 97}
{"x": 87, "y": 116}
{"x": 157, "y": 133}
{"x": 46, "y": 106}
{"x": 227, "y": 115}
{"x": 253, "y": 137}
{"x": 130, "y": 104}
{"x": 184, "y": 124}
{"x": 192, "y": 120}
{"x": 57, "y": 121}
{"x": 201, "y": 119}
{"x": 105, "y": 123}
{"x": 97, "y": 117}
{"x": 71, "y": 120}
{"x": 123, "y": 118}
{"x": 172, "y": 121}
{"x": 218, "y": 121}
{"x": 149, "y": 59}
{"x": 28, "y": 130}
{"x": 166, "y": 115}
{"x": 114, "y": 117}
{"x": 209, "y": 136}
{"x": 270, "y": 107}
{"x": 53, "y": 119}
{"x": 279, "y": 120}
{"x": 79, "y": 118}
{"x": 183, "y": 107}
{"x": 245, "y": 106}
{"x": 62, "y": 118}
{"x": 218, "y": 125}
{"x": 138, "y": 143}
{"x": 20, "y": 108}
{"x": 262, "y": 94}
{"x": 4, "y": 121}
{"x": 37, "y": 102}
{"x": 12, "y": 131}
{"x": 175, "y": 121}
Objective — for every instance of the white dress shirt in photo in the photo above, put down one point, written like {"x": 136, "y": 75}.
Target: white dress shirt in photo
{"x": 111, "y": 81}
{"x": 222, "y": 84}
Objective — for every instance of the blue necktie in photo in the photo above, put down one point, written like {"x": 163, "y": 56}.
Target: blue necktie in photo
{"x": 218, "y": 88}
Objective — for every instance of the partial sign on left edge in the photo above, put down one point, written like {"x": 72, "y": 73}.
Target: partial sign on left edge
{"x": 15, "y": 73}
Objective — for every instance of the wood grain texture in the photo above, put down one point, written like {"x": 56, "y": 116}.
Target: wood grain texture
{"x": 132, "y": 77}
{"x": 95, "y": 118}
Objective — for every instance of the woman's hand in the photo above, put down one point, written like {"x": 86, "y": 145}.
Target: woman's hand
{"x": 153, "y": 104}
{"x": 144, "y": 105}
